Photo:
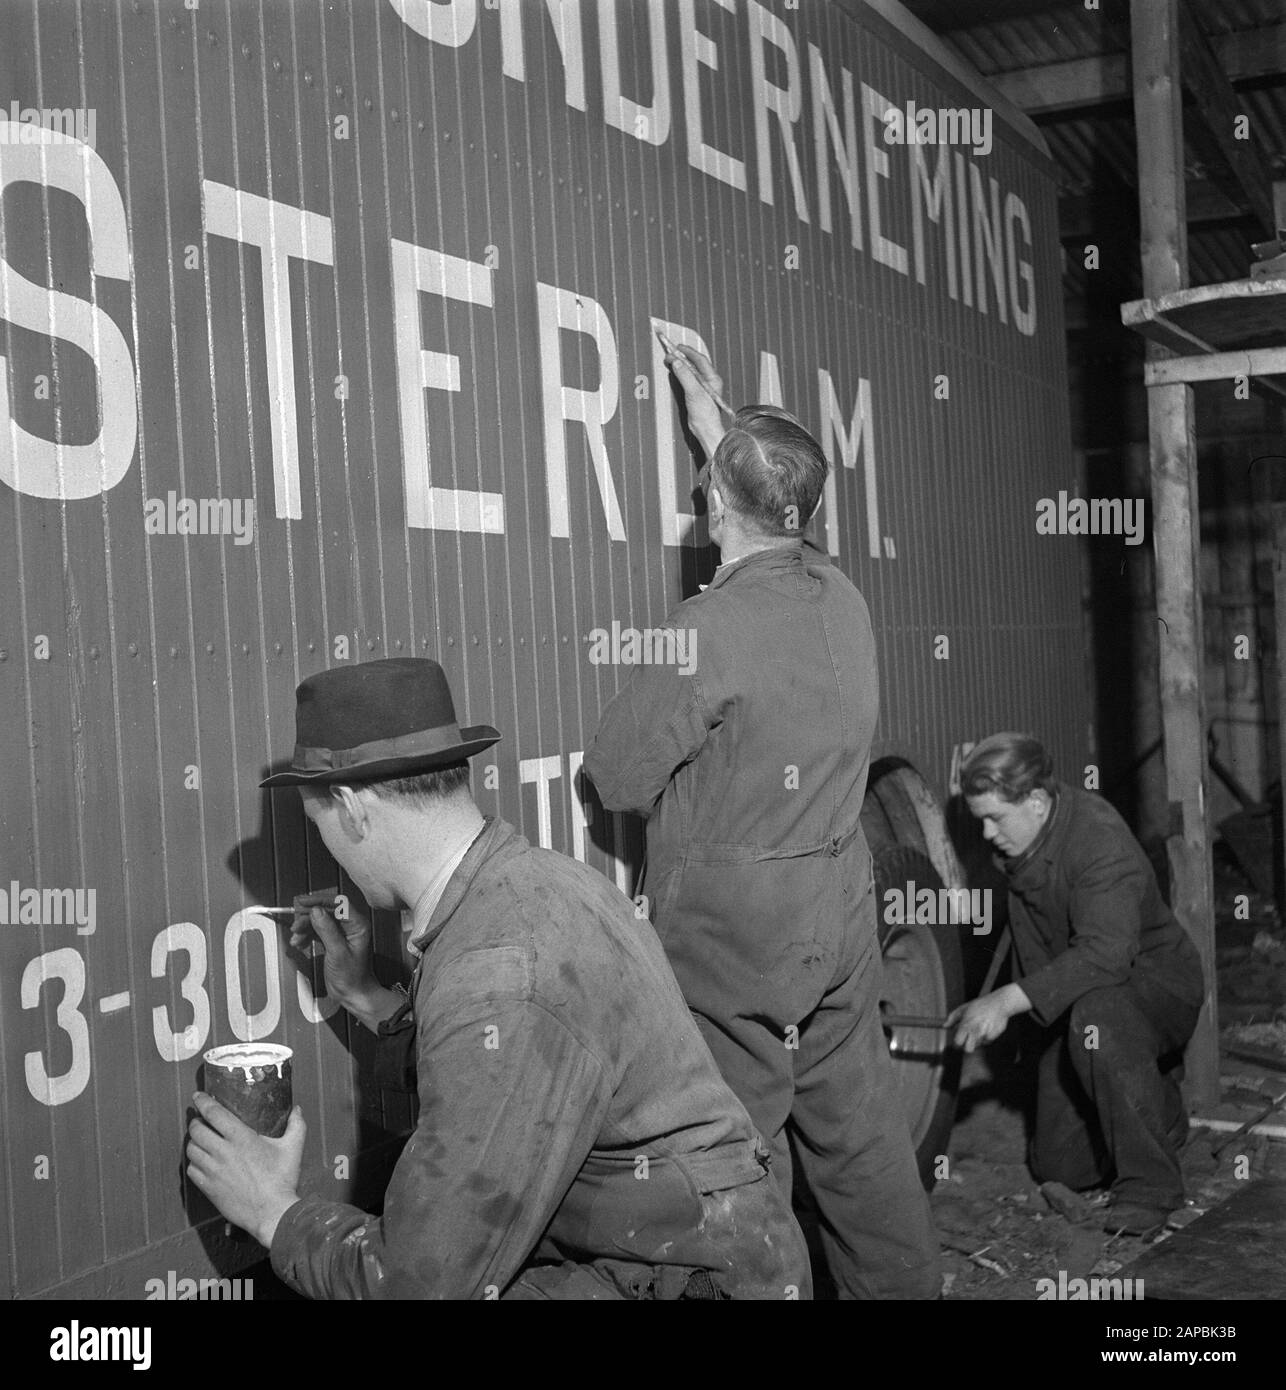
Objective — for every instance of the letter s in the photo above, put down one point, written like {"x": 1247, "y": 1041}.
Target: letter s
{"x": 29, "y": 464}
{"x": 450, "y": 23}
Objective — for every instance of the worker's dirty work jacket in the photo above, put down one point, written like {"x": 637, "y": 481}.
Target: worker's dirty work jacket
{"x": 1086, "y": 912}
{"x": 750, "y": 769}
{"x": 574, "y": 1136}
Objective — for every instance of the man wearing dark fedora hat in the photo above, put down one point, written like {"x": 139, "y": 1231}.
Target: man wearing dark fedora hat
{"x": 574, "y": 1138}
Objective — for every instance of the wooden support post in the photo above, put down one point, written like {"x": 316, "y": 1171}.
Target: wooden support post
{"x": 1279, "y": 618}
{"x": 1158, "y": 118}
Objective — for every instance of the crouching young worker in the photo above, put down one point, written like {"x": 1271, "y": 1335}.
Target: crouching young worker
{"x": 574, "y": 1138}
{"x": 1104, "y": 968}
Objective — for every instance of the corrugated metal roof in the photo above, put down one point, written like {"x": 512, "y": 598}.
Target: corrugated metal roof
{"x": 1098, "y": 148}
{"x": 1033, "y": 40}
{"x": 1228, "y": 16}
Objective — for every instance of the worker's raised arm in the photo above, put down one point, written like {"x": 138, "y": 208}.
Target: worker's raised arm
{"x": 656, "y": 724}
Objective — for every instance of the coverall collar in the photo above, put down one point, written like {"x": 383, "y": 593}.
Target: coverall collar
{"x": 777, "y": 556}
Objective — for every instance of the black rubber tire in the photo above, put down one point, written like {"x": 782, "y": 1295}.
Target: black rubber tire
{"x": 924, "y": 975}
{"x": 900, "y": 808}
{"x": 887, "y": 817}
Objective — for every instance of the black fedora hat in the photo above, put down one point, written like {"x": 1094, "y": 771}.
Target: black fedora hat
{"x": 378, "y": 719}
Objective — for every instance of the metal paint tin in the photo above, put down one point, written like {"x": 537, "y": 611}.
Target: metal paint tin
{"x": 253, "y": 1081}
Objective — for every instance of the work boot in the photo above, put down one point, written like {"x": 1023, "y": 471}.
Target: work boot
{"x": 1134, "y": 1219}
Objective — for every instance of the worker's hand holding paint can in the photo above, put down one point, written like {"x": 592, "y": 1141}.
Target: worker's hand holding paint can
{"x": 253, "y": 1081}
{"x": 245, "y": 1144}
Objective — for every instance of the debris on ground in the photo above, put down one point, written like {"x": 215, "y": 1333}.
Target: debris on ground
{"x": 1075, "y": 1206}
{"x": 1267, "y": 945}
{"x": 1250, "y": 957}
{"x": 996, "y": 1246}
{"x": 1271, "y": 1036}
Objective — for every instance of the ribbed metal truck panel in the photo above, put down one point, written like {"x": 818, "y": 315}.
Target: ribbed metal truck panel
{"x": 387, "y": 273}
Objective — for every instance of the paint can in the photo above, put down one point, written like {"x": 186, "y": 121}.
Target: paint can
{"x": 253, "y": 1081}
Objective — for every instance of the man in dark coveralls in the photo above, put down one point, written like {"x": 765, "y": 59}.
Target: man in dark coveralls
{"x": 750, "y": 767}
{"x": 574, "y": 1137}
{"x": 1106, "y": 971}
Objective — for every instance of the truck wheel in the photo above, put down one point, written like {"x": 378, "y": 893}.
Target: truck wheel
{"x": 923, "y": 965}
{"x": 900, "y": 808}
{"x": 923, "y": 974}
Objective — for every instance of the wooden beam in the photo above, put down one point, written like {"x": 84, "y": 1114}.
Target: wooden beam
{"x": 1250, "y": 54}
{"x": 1213, "y": 318}
{"x": 1075, "y": 85}
{"x": 1081, "y": 218}
{"x": 1158, "y": 128}
{"x": 945, "y": 16}
{"x": 1219, "y": 366}
{"x": 1080, "y": 84}
{"x": 1279, "y": 618}
{"x": 1158, "y": 119}
{"x": 1237, "y": 163}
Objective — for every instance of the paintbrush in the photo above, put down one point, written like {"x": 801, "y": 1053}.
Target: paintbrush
{"x": 288, "y": 914}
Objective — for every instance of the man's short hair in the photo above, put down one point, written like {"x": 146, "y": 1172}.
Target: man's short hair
{"x": 425, "y": 787}
{"x": 1009, "y": 765}
{"x": 770, "y": 470}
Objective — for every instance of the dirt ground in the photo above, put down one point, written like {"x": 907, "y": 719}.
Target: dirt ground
{"x": 999, "y": 1234}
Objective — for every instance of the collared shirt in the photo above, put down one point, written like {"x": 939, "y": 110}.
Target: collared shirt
{"x": 750, "y": 769}
{"x": 422, "y": 912}
{"x": 1086, "y": 912}
{"x": 570, "y": 1114}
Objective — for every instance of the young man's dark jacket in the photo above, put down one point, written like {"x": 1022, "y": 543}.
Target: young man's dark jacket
{"x": 1086, "y": 912}
{"x": 574, "y": 1136}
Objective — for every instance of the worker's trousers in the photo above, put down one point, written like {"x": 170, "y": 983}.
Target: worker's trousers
{"x": 816, "y": 1060}
{"x": 1105, "y": 1109}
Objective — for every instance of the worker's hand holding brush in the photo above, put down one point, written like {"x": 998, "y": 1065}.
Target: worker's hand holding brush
{"x": 345, "y": 936}
{"x": 708, "y": 412}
